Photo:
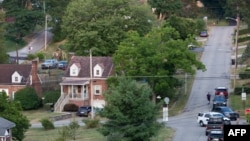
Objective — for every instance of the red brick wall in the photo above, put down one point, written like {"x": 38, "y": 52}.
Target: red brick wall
{"x": 36, "y": 84}
{"x": 12, "y": 88}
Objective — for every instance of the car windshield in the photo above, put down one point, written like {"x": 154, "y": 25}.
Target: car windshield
{"x": 225, "y": 109}
{"x": 219, "y": 98}
{"x": 217, "y": 115}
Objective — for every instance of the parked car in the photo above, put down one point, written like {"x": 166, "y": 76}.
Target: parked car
{"x": 219, "y": 100}
{"x": 215, "y": 135}
{"x": 62, "y": 64}
{"x": 226, "y": 111}
{"x": 203, "y": 118}
{"x": 83, "y": 111}
{"x": 203, "y": 33}
{"x": 221, "y": 91}
{"x": 214, "y": 123}
{"x": 49, "y": 64}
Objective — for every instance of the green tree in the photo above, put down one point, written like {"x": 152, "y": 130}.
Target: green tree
{"x": 102, "y": 24}
{"x": 25, "y": 16}
{"x": 28, "y": 98}
{"x": 3, "y": 55}
{"x": 56, "y": 9}
{"x": 185, "y": 26}
{"x": 12, "y": 111}
{"x": 130, "y": 112}
{"x": 165, "y": 8}
{"x": 156, "y": 58}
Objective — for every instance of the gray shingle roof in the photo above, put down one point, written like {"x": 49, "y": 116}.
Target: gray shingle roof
{"x": 5, "y": 124}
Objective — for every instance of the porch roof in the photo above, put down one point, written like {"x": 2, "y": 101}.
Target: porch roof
{"x": 74, "y": 82}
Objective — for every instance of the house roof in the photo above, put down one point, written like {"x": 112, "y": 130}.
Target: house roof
{"x": 8, "y": 69}
{"x": 5, "y": 124}
{"x": 76, "y": 82}
{"x": 84, "y": 62}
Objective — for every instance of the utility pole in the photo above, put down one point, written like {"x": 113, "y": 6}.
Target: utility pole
{"x": 236, "y": 46}
{"x": 91, "y": 84}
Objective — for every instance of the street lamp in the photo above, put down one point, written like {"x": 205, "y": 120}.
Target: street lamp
{"x": 236, "y": 46}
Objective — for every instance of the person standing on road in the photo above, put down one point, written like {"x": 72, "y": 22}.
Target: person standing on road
{"x": 208, "y": 97}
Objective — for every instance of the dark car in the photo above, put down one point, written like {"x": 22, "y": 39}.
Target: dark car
{"x": 215, "y": 135}
{"x": 62, "y": 65}
{"x": 221, "y": 91}
{"x": 214, "y": 123}
{"x": 219, "y": 100}
{"x": 226, "y": 111}
{"x": 83, "y": 111}
{"x": 203, "y": 33}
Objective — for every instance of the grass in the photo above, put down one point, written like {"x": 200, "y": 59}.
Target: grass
{"x": 83, "y": 134}
{"x": 37, "y": 115}
{"x": 238, "y": 104}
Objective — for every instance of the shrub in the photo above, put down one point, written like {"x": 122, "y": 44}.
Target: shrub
{"x": 70, "y": 107}
{"x": 40, "y": 56}
{"x": 244, "y": 75}
{"x": 31, "y": 56}
{"x": 28, "y": 98}
{"x": 238, "y": 90}
{"x": 248, "y": 118}
{"x": 51, "y": 96}
{"x": 47, "y": 124}
{"x": 92, "y": 123}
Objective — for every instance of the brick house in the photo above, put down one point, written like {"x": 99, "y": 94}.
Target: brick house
{"x": 14, "y": 77}
{"x": 5, "y": 129}
{"x": 77, "y": 81}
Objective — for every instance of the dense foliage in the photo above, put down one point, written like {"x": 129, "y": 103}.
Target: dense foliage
{"x": 156, "y": 58}
{"x": 102, "y": 24}
{"x": 12, "y": 111}
{"x": 130, "y": 112}
{"x": 28, "y": 98}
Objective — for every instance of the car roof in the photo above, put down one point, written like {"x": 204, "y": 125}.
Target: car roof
{"x": 211, "y": 113}
{"x": 221, "y": 88}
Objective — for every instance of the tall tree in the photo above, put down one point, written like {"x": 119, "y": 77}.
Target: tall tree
{"x": 102, "y": 24}
{"x": 22, "y": 16}
{"x": 3, "y": 55}
{"x": 156, "y": 58}
{"x": 130, "y": 112}
{"x": 13, "y": 112}
{"x": 56, "y": 10}
{"x": 165, "y": 8}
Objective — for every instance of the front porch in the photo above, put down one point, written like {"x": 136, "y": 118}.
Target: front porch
{"x": 73, "y": 91}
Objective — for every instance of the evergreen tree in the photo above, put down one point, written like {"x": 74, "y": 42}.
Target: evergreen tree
{"x": 12, "y": 111}
{"x": 131, "y": 114}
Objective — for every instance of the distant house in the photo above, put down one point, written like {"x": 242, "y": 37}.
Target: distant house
{"x": 14, "y": 77}
{"x": 5, "y": 129}
{"x": 76, "y": 84}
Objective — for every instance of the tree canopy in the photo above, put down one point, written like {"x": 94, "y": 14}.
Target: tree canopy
{"x": 12, "y": 111}
{"x": 156, "y": 58}
{"x": 22, "y": 17}
{"x": 130, "y": 112}
{"x": 165, "y": 8}
{"x": 102, "y": 24}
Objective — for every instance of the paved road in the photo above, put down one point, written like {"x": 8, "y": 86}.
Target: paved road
{"x": 217, "y": 58}
{"x": 37, "y": 44}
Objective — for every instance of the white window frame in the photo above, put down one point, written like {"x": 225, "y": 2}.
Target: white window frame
{"x": 97, "y": 88}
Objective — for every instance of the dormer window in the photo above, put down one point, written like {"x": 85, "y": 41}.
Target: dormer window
{"x": 16, "y": 77}
{"x": 75, "y": 69}
{"x": 98, "y": 70}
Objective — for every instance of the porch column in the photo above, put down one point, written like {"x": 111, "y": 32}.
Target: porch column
{"x": 72, "y": 91}
{"x": 62, "y": 93}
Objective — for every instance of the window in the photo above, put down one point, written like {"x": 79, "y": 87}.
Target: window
{"x": 97, "y": 72}
{"x": 16, "y": 78}
{"x": 97, "y": 89}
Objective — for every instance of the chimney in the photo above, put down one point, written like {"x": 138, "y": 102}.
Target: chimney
{"x": 70, "y": 55}
{"x": 35, "y": 81}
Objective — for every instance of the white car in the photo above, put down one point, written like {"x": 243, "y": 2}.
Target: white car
{"x": 204, "y": 116}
